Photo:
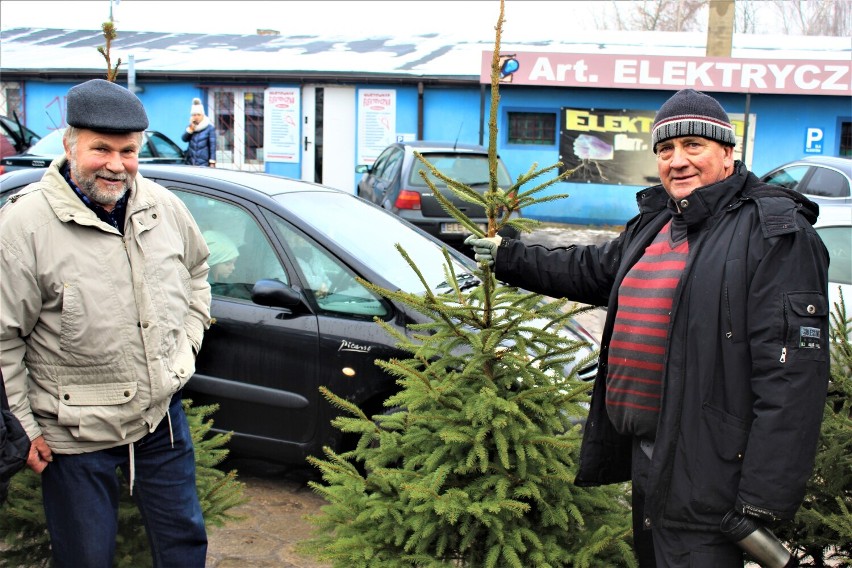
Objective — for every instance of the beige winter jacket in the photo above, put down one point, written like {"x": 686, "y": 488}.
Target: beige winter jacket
{"x": 97, "y": 329}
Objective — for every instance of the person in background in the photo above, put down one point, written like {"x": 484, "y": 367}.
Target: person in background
{"x": 714, "y": 361}
{"x": 104, "y": 302}
{"x": 223, "y": 256}
{"x": 201, "y": 136}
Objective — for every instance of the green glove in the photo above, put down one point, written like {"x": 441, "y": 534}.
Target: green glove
{"x": 485, "y": 248}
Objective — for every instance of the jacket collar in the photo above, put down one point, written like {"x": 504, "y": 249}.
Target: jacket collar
{"x": 702, "y": 203}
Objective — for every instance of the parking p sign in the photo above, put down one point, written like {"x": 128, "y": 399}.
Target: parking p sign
{"x": 813, "y": 140}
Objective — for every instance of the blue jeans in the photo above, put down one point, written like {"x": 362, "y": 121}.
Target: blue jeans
{"x": 81, "y": 493}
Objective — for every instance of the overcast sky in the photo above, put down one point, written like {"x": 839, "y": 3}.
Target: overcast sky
{"x": 473, "y": 18}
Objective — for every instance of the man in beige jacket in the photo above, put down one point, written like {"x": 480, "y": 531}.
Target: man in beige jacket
{"x": 103, "y": 305}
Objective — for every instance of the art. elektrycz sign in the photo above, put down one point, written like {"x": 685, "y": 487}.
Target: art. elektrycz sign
{"x": 714, "y": 74}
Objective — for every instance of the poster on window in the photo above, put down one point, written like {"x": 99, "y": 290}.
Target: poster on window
{"x": 376, "y": 123}
{"x": 613, "y": 146}
{"x": 281, "y": 125}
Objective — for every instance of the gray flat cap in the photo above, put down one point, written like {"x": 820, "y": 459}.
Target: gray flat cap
{"x": 105, "y": 107}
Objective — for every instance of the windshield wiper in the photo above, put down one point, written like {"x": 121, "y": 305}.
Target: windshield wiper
{"x": 464, "y": 281}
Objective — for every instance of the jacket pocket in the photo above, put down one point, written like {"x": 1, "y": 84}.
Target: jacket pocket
{"x": 98, "y": 412}
{"x": 806, "y": 326}
{"x": 720, "y": 449}
{"x": 181, "y": 364}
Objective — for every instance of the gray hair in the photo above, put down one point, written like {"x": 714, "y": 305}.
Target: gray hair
{"x": 72, "y": 133}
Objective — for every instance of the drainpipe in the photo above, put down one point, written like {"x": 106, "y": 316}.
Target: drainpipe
{"x": 745, "y": 129}
{"x": 131, "y": 75}
{"x": 481, "y": 113}
{"x": 420, "y": 110}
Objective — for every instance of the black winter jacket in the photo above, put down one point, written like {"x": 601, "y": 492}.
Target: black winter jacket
{"x": 747, "y": 362}
{"x": 202, "y": 146}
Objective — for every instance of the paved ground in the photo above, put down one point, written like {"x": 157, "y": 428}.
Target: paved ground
{"x": 279, "y": 498}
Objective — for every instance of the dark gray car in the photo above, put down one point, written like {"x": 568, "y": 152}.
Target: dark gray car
{"x": 394, "y": 183}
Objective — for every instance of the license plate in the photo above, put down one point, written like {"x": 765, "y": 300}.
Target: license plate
{"x": 457, "y": 229}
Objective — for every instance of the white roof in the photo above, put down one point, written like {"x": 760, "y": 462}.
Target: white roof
{"x": 427, "y": 55}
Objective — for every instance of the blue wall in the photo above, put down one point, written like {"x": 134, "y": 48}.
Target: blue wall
{"x": 453, "y": 113}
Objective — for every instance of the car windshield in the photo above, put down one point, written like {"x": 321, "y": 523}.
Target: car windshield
{"x": 471, "y": 169}
{"x": 369, "y": 234}
{"x": 50, "y": 145}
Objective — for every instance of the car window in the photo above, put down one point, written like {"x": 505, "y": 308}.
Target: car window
{"x": 838, "y": 241}
{"x": 50, "y": 145}
{"x": 15, "y": 138}
{"x": 332, "y": 285}
{"x": 469, "y": 169}
{"x": 392, "y": 165}
{"x": 787, "y": 177}
{"x": 380, "y": 162}
{"x": 375, "y": 239}
{"x": 825, "y": 182}
{"x": 164, "y": 148}
{"x": 235, "y": 237}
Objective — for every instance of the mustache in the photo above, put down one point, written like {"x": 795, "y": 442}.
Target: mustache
{"x": 106, "y": 174}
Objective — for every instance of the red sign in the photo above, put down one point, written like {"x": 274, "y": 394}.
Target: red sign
{"x": 713, "y": 74}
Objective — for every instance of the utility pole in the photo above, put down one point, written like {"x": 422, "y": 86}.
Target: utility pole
{"x": 720, "y": 28}
{"x": 720, "y": 39}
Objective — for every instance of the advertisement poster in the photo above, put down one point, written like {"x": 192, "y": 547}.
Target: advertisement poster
{"x": 610, "y": 146}
{"x": 281, "y": 125}
{"x": 613, "y": 146}
{"x": 376, "y": 123}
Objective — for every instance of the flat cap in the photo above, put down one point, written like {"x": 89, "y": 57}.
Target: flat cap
{"x": 104, "y": 106}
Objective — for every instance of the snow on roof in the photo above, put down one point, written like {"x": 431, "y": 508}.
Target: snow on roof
{"x": 427, "y": 55}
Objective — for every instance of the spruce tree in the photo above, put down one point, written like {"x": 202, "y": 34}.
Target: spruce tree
{"x": 23, "y": 529}
{"x": 473, "y": 463}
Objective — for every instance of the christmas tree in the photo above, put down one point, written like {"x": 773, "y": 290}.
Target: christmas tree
{"x": 473, "y": 463}
{"x": 23, "y": 529}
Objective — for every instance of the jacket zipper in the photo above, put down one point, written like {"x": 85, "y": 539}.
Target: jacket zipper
{"x": 730, "y": 333}
{"x": 783, "y": 358}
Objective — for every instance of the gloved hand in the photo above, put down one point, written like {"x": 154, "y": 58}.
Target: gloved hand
{"x": 485, "y": 248}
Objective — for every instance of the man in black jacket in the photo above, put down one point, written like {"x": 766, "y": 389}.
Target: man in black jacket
{"x": 714, "y": 356}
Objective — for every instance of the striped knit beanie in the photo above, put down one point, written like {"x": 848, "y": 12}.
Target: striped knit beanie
{"x": 691, "y": 113}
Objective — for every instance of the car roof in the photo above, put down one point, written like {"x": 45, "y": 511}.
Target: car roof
{"x": 263, "y": 183}
{"x": 842, "y": 164}
{"x": 833, "y": 215}
{"x": 434, "y": 146}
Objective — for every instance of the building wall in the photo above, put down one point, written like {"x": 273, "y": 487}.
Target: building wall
{"x": 455, "y": 113}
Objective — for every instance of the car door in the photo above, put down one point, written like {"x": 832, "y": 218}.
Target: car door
{"x": 350, "y": 341}
{"x": 258, "y": 363}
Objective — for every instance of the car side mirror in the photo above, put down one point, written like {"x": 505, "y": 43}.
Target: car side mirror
{"x": 362, "y": 169}
{"x": 275, "y": 294}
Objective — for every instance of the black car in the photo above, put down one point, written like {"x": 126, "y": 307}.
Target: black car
{"x": 157, "y": 148}
{"x": 825, "y": 179}
{"x": 394, "y": 183}
{"x": 291, "y": 316}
